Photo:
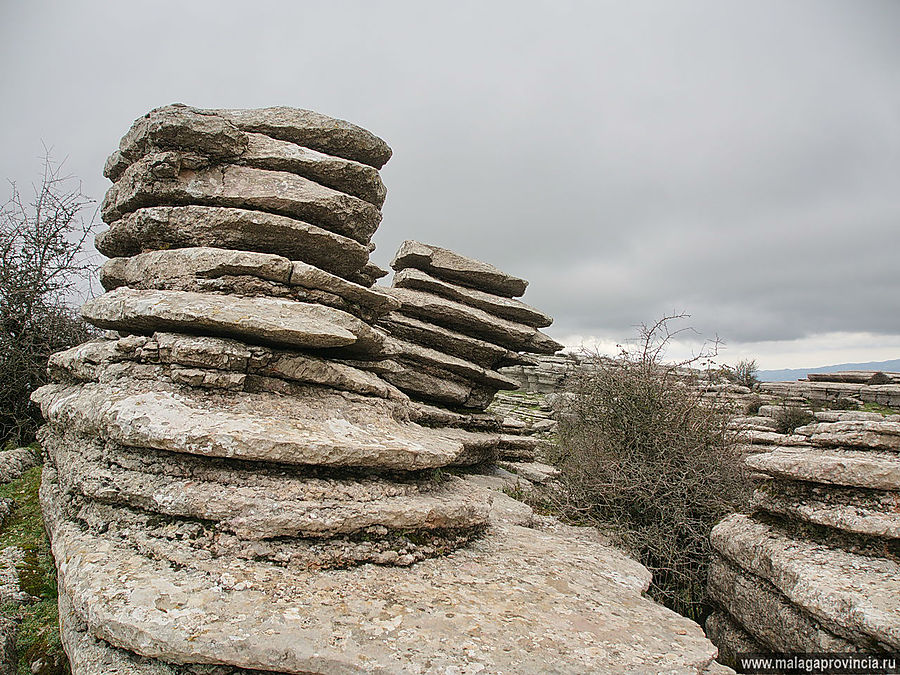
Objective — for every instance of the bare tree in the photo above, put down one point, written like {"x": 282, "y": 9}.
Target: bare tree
{"x": 41, "y": 261}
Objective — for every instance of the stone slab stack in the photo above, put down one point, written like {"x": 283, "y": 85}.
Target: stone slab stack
{"x": 459, "y": 321}
{"x": 233, "y": 488}
{"x": 853, "y": 386}
{"x": 816, "y": 567}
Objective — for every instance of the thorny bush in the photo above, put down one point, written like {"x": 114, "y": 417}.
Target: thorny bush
{"x": 646, "y": 458}
{"x": 41, "y": 258}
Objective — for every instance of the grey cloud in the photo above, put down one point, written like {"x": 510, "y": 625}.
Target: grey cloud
{"x": 737, "y": 160}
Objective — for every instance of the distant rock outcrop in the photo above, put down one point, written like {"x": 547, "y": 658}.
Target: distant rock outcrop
{"x": 852, "y": 386}
{"x": 266, "y": 468}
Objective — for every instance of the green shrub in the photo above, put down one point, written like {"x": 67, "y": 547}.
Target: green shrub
{"x": 643, "y": 456}
{"x": 841, "y": 403}
{"x": 789, "y": 417}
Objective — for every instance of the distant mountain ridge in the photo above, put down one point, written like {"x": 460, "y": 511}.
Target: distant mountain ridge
{"x": 801, "y": 373}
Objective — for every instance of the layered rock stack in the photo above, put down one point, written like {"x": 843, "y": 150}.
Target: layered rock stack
{"x": 233, "y": 487}
{"x": 816, "y": 567}
{"x": 459, "y": 321}
{"x": 853, "y": 387}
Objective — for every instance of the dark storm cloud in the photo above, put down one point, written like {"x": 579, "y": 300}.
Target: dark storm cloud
{"x": 737, "y": 160}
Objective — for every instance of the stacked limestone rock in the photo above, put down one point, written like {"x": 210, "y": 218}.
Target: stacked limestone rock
{"x": 459, "y": 321}
{"x": 221, "y": 420}
{"x": 849, "y": 386}
{"x": 816, "y": 568}
{"x": 232, "y": 486}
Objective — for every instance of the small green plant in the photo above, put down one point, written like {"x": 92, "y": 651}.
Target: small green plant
{"x": 878, "y": 408}
{"x": 789, "y": 417}
{"x": 840, "y": 403}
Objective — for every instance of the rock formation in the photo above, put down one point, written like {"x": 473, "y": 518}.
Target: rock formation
{"x": 851, "y": 386}
{"x": 263, "y": 469}
{"x": 816, "y": 567}
{"x": 457, "y": 324}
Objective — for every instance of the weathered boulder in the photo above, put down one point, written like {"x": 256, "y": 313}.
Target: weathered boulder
{"x": 15, "y": 462}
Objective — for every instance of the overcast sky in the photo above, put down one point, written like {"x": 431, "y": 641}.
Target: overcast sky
{"x": 739, "y": 161}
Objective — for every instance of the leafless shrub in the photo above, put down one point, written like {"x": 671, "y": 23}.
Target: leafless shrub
{"x": 41, "y": 257}
{"x": 644, "y": 456}
{"x": 743, "y": 373}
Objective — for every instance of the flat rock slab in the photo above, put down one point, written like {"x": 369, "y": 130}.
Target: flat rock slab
{"x": 438, "y": 386}
{"x": 329, "y": 429}
{"x": 449, "y": 266}
{"x": 519, "y": 600}
{"x": 519, "y": 447}
{"x": 872, "y": 513}
{"x": 184, "y": 226}
{"x": 271, "y": 321}
{"x": 485, "y": 354}
{"x": 354, "y": 178}
{"x": 474, "y": 322}
{"x": 854, "y": 596}
{"x": 730, "y": 637}
{"x": 101, "y": 360}
{"x": 312, "y": 130}
{"x": 877, "y": 435}
{"x": 309, "y": 276}
{"x": 176, "y": 127}
{"x": 536, "y": 472}
{"x": 161, "y": 180}
{"x": 506, "y": 308}
{"x": 853, "y": 468}
{"x": 761, "y": 438}
{"x": 209, "y": 263}
{"x": 90, "y": 656}
{"x": 264, "y": 505}
{"x": 465, "y": 369}
{"x": 201, "y": 261}
{"x": 769, "y": 617}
